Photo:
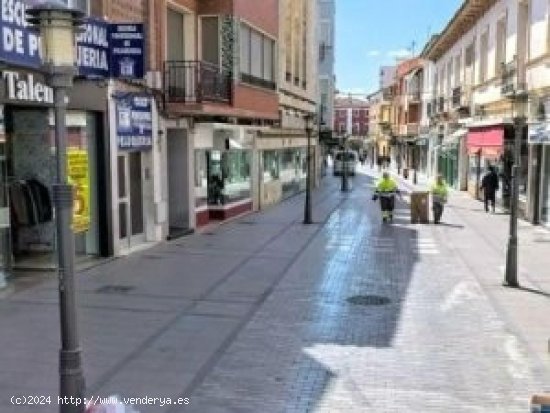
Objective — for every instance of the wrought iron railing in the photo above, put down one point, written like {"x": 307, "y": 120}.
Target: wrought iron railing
{"x": 192, "y": 81}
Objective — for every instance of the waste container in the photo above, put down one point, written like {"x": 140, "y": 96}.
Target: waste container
{"x": 420, "y": 211}
{"x": 405, "y": 173}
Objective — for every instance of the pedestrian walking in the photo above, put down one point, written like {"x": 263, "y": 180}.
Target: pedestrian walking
{"x": 386, "y": 189}
{"x": 439, "y": 198}
{"x": 489, "y": 185}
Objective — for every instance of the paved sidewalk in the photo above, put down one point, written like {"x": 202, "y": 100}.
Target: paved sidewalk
{"x": 267, "y": 315}
{"x": 481, "y": 245}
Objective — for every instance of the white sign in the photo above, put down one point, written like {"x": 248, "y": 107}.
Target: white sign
{"x": 24, "y": 87}
{"x": 539, "y": 133}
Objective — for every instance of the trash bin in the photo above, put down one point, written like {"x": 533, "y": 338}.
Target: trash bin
{"x": 420, "y": 211}
{"x": 405, "y": 173}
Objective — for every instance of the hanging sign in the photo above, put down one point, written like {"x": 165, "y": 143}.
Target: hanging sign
{"x": 134, "y": 122}
{"x": 539, "y": 133}
{"x": 93, "y": 49}
{"x": 103, "y": 50}
{"x": 127, "y": 51}
{"x": 79, "y": 178}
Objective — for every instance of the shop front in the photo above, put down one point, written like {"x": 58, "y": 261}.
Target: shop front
{"x": 539, "y": 134}
{"x": 494, "y": 146}
{"x": 223, "y": 159}
{"x": 138, "y": 213}
{"x": 282, "y": 165}
{"x": 485, "y": 148}
{"x": 28, "y": 171}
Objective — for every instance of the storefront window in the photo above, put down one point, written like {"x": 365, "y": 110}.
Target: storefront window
{"x": 201, "y": 178}
{"x": 81, "y": 158}
{"x": 31, "y": 172}
{"x": 236, "y": 174}
{"x": 228, "y": 176}
{"x": 271, "y": 167}
{"x": 293, "y": 170}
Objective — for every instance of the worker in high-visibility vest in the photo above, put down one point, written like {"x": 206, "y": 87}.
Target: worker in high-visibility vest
{"x": 440, "y": 193}
{"x": 386, "y": 189}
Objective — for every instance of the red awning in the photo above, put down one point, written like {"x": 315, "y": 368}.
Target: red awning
{"x": 489, "y": 140}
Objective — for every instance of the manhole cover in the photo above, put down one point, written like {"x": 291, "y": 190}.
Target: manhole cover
{"x": 369, "y": 300}
{"x": 114, "y": 289}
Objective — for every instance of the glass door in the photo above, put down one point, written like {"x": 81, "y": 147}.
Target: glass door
{"x": 5, "y": 234}
{"x": 130, "y": 200}
{"x": 545, "y": 190}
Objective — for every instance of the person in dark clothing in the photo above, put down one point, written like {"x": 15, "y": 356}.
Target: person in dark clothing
{"x": 489, "y": 185}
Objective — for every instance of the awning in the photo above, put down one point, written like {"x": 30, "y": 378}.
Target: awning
{"x": 488, "y": 141}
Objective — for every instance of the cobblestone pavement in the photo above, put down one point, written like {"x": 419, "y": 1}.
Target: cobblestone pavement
{"x": 265, "y": 315}
{"x": 437, "y": 346}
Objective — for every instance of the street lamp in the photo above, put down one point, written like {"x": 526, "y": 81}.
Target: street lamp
{"x": 519, "y": 99}
{"x": 57, "y": 25}
{"x": 307, "y": 206}
{"x": 345, "y": 186}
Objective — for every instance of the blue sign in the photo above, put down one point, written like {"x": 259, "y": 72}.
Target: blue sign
{"x": 134, "y": 124}
{"x": 127, "y": 46}
{"x": 93, "y": 49}
{"x": 20, "y": 44}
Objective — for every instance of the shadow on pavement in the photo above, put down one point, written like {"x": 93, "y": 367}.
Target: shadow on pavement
{"x": 534, "y": 291}
{"x": 357, "y": 299}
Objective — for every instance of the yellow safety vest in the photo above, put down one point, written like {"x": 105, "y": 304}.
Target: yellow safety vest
{"x": 386, "y": 185}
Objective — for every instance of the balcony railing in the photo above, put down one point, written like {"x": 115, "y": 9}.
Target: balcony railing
{"x": 193, "y": 81}
{"x": 456, "y": 97}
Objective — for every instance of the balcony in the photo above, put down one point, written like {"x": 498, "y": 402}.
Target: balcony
{"x": 461, "y": 98}
{"x": 512, "y": 83}
{"x": 196, "y": 82}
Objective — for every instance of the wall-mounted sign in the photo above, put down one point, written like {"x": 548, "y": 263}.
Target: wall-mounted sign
{"x": 93, "y": 49}
{"x": 127, "y": 50}
{"x": 103, "y": 49}
{"x": 25, "y": 87}
{"x": 19, "y": 44}
{"x": 539, "y": 133}
{"x": 134, "y": 122}
{"x": 79, "y": 177}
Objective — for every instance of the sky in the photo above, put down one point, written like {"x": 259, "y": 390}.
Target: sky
{"x": 372, "y": 33}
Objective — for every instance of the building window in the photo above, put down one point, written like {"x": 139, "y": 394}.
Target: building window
{"x": 257, "y": 58}
{"x": 483, "y": 54}
{"x": 210, "y": 39}
{"x": 457, "y": 71}
{"x": 500, "y": 53}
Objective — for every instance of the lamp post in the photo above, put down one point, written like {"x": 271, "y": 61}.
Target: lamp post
{"x": 345, "y": 186}
{"x": 519, "y": 99}
{"x": 57, "y": 25}
{"x": 307, "y": 206}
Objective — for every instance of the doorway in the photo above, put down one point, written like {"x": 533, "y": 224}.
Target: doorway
{"x": 130, "y": 200}
{"x": 178, "y": 183}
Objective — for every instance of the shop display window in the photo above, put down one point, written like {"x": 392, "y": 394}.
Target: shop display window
{"x": 236, "y": 175}
{"x": 201, "y": 178}
{"x": 271, "y": 166}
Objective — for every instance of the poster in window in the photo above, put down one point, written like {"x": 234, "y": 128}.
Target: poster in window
{"x": 79, "y": 178}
